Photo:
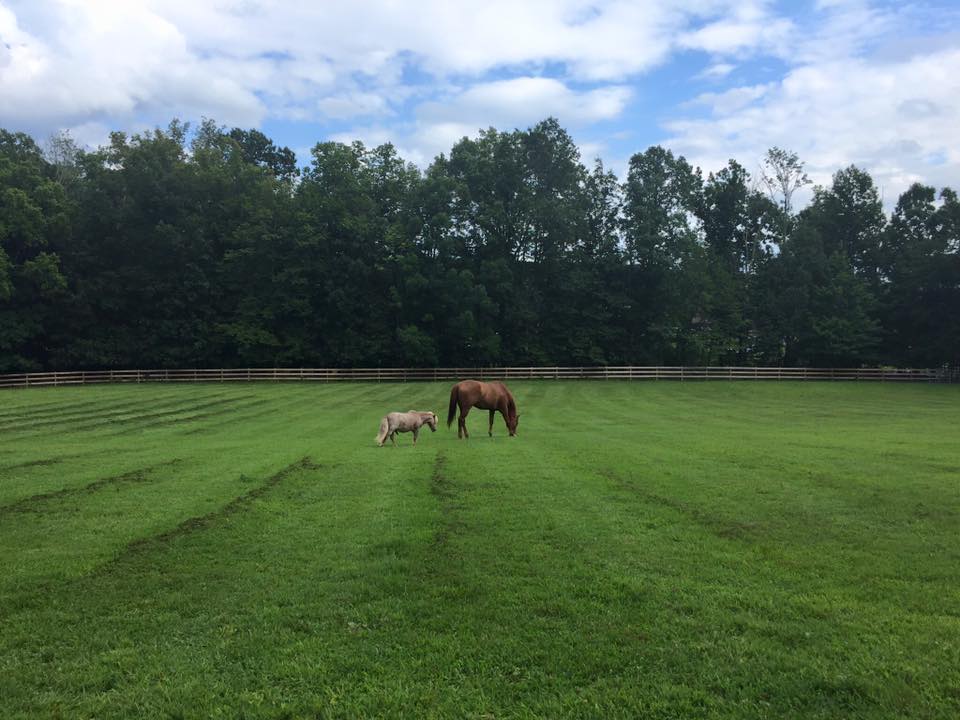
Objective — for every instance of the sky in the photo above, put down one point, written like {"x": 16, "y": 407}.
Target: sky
{"x": 839, "y": 82}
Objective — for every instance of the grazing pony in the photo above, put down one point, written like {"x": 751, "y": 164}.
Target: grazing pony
{"x": 397, "y": 422}
{"x": 490, "y": 396}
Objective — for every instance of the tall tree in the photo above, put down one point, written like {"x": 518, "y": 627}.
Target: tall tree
{"x": 922, "y": 266}
{"x": 141, "y": 263}
{"x": 849, "y": 217}
{"x": 34, "y": 221}
{"x": 260, "y": 150}
{"x": 664, "y": 256}
{"x": 782, "y": 174}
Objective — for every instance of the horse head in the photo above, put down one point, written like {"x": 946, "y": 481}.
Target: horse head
{"x": 512, "y": 423}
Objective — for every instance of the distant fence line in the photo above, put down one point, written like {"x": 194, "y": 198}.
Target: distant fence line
{"x": 621, "y": 372}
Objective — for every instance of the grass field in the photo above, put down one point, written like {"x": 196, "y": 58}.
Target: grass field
{"x": 655, "y": 550}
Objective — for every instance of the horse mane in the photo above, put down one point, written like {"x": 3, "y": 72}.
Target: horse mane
{"x": 511, "y": 403}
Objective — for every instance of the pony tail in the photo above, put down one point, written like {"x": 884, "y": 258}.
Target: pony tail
{"x": 382, "y": 435}
{"x": 451, "y": 413}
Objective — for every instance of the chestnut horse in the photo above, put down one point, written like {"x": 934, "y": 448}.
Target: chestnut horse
{"x": 490, "y": 396}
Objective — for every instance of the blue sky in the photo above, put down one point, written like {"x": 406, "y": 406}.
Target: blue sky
{"x": 838, "y": 81}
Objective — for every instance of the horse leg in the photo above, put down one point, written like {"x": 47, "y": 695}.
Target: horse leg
{"x": 463, "y": 423}
{"x": 492, "y": 412}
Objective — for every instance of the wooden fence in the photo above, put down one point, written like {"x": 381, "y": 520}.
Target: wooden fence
{"x": 91, "y": 377}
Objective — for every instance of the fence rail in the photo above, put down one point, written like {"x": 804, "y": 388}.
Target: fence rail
{"x": 620, "y": 372}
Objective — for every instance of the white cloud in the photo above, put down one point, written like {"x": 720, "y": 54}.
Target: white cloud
{"x": 525, "y": 100}
{"x": 116, "y": 63}
{"x": 856, "y": 87}
{"x": 900, "y": 120}
{"x": 352, "y": 105}
{"x": 734, "y": 99}
{"x": 67, "y": 62}
{"x": 749, "y": 28}
{"x": 717, "y": 71}
{"x": 590, "y": 151}
{"x": 506, "y": 104}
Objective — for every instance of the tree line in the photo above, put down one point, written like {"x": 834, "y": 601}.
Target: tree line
{"x": 213, "y": 249}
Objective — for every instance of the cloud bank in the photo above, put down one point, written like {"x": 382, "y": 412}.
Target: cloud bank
{"x": 838, "y": 81}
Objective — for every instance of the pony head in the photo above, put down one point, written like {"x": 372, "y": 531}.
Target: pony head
{"x": 432, "y": 421}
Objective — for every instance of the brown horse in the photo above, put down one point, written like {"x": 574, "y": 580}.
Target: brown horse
{"x": 490, "y": 396}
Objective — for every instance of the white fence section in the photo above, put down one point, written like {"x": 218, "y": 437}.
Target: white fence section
{"x": 625, "y": 372}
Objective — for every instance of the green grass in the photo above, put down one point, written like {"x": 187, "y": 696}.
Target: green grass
{"x": 657, "y": 550}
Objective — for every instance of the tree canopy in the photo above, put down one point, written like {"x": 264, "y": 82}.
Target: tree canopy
{"x": 212, "y": 248}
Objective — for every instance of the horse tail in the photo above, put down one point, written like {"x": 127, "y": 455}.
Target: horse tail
{"x": 454, "y": 396}
{"x": 384, "y": 429}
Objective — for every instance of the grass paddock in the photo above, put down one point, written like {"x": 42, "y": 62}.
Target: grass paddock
{"x": 652, "y": 550}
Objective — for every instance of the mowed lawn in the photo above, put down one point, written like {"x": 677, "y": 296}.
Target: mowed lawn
{"x": 658, "y": 550}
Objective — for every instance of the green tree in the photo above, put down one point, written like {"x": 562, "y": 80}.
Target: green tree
{"x": 34, "y": 222}
{"x": 921, "y": 266}
{"x": 849, "y": 217}
{"x": 664, "y": 258}
{"x": 782, "y": 174}
{"x": 816, "y": 311}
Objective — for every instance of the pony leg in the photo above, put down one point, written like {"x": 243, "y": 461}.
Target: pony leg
{"x": 393, "y": 438}
{"x": 492, "y": 412}
{"x": 416, "y": 433}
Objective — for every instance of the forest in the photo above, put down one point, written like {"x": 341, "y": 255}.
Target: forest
{"x": 211, "y": 247}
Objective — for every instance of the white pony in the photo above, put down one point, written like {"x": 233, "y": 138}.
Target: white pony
{"x": 410, "y": 421}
